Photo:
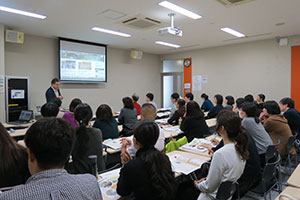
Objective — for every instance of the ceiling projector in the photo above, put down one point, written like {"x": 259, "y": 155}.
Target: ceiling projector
{"x": 171, "y": 30}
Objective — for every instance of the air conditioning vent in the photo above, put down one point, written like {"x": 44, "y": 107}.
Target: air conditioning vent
{"x": 234, "y": 2}
{"x": 141, "y": 22}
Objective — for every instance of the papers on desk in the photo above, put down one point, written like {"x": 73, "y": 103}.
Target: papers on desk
{"x": 163, "y": 114}
{"x": 172, "y": 129}
{"x": 108, "y": 184}
{"x": 195, "y": 145}
{"x": 114, "y": 143}
{"x": 184, "y": 164}
{"x": 162, "y": 121}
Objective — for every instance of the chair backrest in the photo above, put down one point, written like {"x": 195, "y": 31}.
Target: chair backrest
{"x": 269, "y": 171}
{"x": 226, "y": 190}
{"x": 272, "y": 152}
{"x": 290, "y": 143}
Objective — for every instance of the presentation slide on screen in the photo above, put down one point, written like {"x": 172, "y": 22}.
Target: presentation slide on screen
{"x": 82, "y": 62}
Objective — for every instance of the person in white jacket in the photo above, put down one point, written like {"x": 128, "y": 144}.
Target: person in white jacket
{"x": 228, "y": 163}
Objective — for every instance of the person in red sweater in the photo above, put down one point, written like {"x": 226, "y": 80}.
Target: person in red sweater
{"x": 137, "y": 106}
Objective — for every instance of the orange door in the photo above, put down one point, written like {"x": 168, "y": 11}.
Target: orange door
{"x": 295, "y": 85}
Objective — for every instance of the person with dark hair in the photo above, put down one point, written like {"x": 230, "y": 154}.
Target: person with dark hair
{"x": 127, "y": 117}
{"x": 218, "y": 100}
{"x": 229, "y": 101}
{"x": 69, "y": 116}
{"x": 106, "y": 122}
{"x": 49, "y": 109}
{"x": 238, "y": 104}
{"x": 13, "y": 161}
{"x": 228, "y": 162}
{"x": 88, "y": 141}
{"x": 193, "y": 123}
{"x": 58, "y": 102}
{"x": 260, "y": 98}
{"x": 249, "y": 98}
{"x": 149, "y": 175}
{"x": 277, "y": 126}
{"x": 287, "y": 106}
{"x": 207, "y": 105}
{"x": 53, "y": 91}
{"x": 174, "y": 98}
{"x": 136, "y": 105}
{"x": 150, "y": 98}
{"x": 49, "y": 144}
{"x": 174, "y": 119}
{"x": 188, "y": 97}
{"x": 253, "y": 127}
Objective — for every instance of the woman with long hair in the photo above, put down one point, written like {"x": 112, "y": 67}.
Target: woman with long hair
{"x": 218, "y": 100}
{"x": 180, "y": 110}
{"x": 106, "y": 122}
{"x": 149, "y": 175}
{"x": 127, "y": 117}
{"x": 69, "y": 116}
{"x": 228, "y": 162}
{"x": 13, "y": 161}
{"x": 88, "y": 141}
{"x": 193, "y": 123}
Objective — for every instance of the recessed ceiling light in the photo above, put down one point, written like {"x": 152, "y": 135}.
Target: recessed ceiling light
{"x": 179, "y": 9}
{"x": 167, "y": 44}
{"x": 21, "y": 12}
{"x": 233, "y": 32}
{"x": 110, "y": 32}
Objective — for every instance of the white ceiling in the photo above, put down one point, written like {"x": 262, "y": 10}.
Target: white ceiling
{"x": 74, "y": 19}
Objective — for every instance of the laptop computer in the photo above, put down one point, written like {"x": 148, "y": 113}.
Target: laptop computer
{"x": 24, "y": 118}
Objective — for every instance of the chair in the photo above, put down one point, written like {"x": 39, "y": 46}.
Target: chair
{"x": 290, "y": 145}
{"x": 269, "y": 179}
{"x": 272, "y": 152}
{"x": 226, "y": 190}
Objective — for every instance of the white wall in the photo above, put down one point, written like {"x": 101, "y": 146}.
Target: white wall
{"x": 37, "y": 58}
{"x": 2, "y": 72}
{"x": 256, "y": 67}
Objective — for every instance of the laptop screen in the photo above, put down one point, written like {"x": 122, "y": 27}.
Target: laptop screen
{"x": 26, "y": 115}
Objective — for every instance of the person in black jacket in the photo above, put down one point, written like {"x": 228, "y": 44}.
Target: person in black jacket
{"x": 149, "y": 175}
{"x": 180, "y": 105}
{"x": 193, "y": 123}
{"x": 218, "y": 100}
{"x": 53, "y": 91}
{"x": 287, "y": 105}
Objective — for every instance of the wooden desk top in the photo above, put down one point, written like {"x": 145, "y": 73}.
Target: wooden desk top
{"x": 294, "y": 179}
{"x": 6, "y": 125}
{"x": 289, "y": 193}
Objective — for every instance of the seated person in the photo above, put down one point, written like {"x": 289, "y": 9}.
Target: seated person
{"x": 148, "y": 112}
{"x": 238, "y": 105}
{"x": 218, "y": 100}
{"x": 229, "y": 101}
{"x": 228, "y": 162}
{"x": 150, "y": 98}
{"x": 49, "y": 144}
{"x": 106, "y": 122}
{"x": 49, "y": 109}
{"x": 127, "y": 117}
{"x": 254, "y": 128}
{"x": 88, "y": 141}
{"x": 149, "y": 175}
{"x": 277, "y": 126}
{"x": 207, "y": 105}
{"x": 136, "y": 105}
{"x": 188, "y": 97}
{"x": 174, "y": 98}
{"x": 249, "y": 98}
{"x": 69, "y": 116}
{"x": 58, "y": 102}
{"x": 193, "y": 123}
{"x": 287, "y": 105}
{"x": 260, "y": 99}
{"x": 180, "y": 106}
{"x": 13, "y": 161}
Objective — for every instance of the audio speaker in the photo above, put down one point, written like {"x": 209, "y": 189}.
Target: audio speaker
{"x": 14, "y": 36}
{"x": 136, "y": 54}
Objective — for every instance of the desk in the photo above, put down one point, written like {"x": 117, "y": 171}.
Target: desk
{"x": 19, "y": 133}
{"x": 289, "y": 193}
{"x": 211, "y": 122}
{"x": 294, "y": 179}
{"x": 8, "y": 126}
{"x": 191, "y": 155}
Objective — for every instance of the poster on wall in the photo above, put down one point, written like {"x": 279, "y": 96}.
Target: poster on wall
{"x": 1, "y": 84}
{"x": 197, "y": 83}
{"x": 204, "y": 78}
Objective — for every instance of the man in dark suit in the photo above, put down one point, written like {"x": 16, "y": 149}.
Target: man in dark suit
{"x": 53, "y": 91}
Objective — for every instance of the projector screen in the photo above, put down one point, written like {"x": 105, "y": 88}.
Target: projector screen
{"x": 82, "y": 61}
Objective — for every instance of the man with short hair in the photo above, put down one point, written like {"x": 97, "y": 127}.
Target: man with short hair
{"x": 49, "y": 144}
{"x": 188, "y": 97}
{"x": 53, "y": 91}
{"x": 137, "y": 106}
{"x": 287, "y": 105}
{"x": 174, "y": 98}
{"x": 150, "y": 98}
{"x": 49, "y": 109}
